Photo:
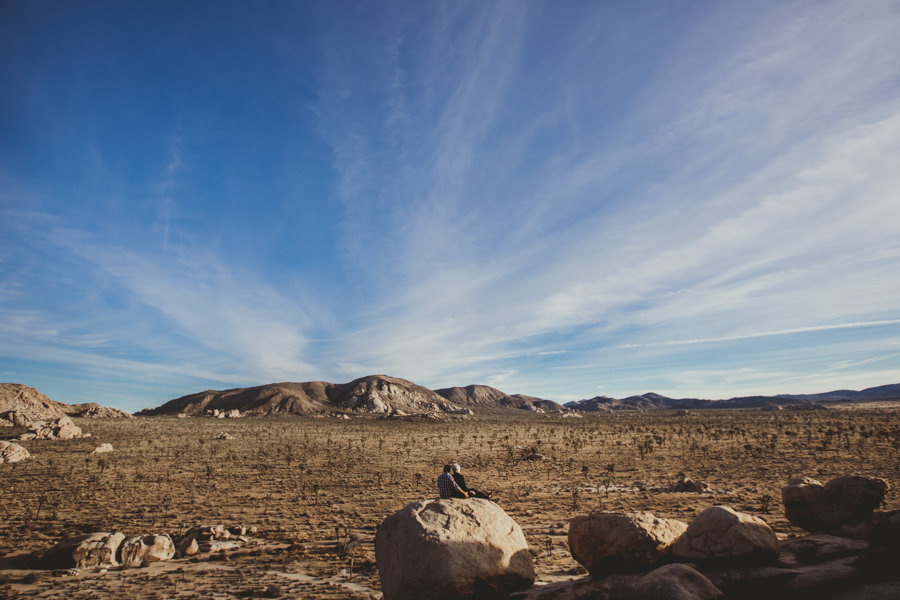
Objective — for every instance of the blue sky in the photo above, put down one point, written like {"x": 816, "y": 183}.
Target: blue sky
{"x": 557, "y": 199}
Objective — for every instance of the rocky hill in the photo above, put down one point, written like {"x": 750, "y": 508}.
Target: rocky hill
{"x": 375, "y": 394}
{"x": 35, "y": 406}
{"x": 487, "y": 398}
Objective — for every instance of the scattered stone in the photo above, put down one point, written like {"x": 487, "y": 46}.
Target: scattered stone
{"x": 85, "y": 551}
{"x": 224, "y": 436}
{"x": 720, "y": 533}
{"x": 534, "y": 456}
{"x": 615, "y": 542}
{"x": 451, "y": 548}
{"x": 842, "y": 501}
{"x": 12, "y": 453}
{"x": 104, "y": 447}
{"x": 145, "y": 549}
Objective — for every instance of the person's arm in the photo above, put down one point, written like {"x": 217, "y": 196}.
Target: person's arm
{"x": 459, "y": 489}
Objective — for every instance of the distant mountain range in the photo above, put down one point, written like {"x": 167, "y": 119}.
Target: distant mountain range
{"x": 392, "y": 396}
{"x": 651, "y": 401}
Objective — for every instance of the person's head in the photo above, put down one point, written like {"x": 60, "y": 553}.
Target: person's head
{"x": 446, "y": 468}
{"x": 455, "y": 467}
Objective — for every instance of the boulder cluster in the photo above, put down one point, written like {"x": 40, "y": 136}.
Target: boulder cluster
{"x": 59, "y": 429}
{"x": 104, "y": 550}
{"x": 223, "y": 414}
{"x": 443, "y": 549}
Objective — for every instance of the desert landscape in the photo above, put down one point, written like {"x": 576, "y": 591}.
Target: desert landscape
{"x": 304, "y": 495}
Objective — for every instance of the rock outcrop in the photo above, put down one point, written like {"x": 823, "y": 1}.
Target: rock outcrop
{"x": 827, "y": 508}
{"x": 722, "y": 534}
{"x": 12, "y": 453}
{"x": 438, "y": 549}
{"x": 620, "y": 542}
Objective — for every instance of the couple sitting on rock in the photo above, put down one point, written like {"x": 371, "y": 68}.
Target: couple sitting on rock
{"x": 451, "y": 484}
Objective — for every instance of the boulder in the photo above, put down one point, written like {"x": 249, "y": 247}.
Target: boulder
{"x": 12, "y": 453}
{"x": 442, "y": 549}
{"x": 674, "y": 582}
{"x": 615, "y": 542}
{"x": 84, "y": 551}
{"x": 722, "y": 534}
{"x": 146, "y": 549}
{"x": 842, "y": 501}
{"x": 103, "y": 448}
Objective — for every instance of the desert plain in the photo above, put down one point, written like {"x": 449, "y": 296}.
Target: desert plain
{"x": 315, "y": 489}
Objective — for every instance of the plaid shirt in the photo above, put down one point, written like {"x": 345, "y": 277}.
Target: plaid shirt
{"x": 446, "y": 485}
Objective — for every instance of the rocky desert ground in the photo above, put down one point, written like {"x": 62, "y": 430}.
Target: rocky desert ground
{"x": 304, "y": 495}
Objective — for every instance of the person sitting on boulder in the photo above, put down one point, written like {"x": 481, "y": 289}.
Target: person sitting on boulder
{"x": 461, "y": 482}
{"x": 447, "y": 486}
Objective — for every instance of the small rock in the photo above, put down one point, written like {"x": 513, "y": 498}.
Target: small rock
{"x": 104, "y": 447}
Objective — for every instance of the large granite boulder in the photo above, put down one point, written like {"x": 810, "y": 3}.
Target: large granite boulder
{"x": 443, "y": 549}
{"x": 722, "y": 534}
{"x": 12, "y": 453}
{"x": 826, "y": 508}
{"x": 84, "y": 551}
{"x": 618, "y": 542}
{"x": 145, "y": 549}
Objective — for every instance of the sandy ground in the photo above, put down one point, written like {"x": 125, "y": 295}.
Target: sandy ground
{"x": 308, "y": 483}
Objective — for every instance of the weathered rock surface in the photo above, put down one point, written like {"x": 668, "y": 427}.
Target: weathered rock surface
{"x": 12, "y": 453}
{"x": 670, "y": 582}
{"x": 818, "y": 548}
{"x": 84, "y": 551}
{"x": 619, "y": 542}
{"x": 720, "y": 533}
{"x": 145, "y": 549}
{"x": 442, "y": 549}
{"x": 844, "y": 500}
